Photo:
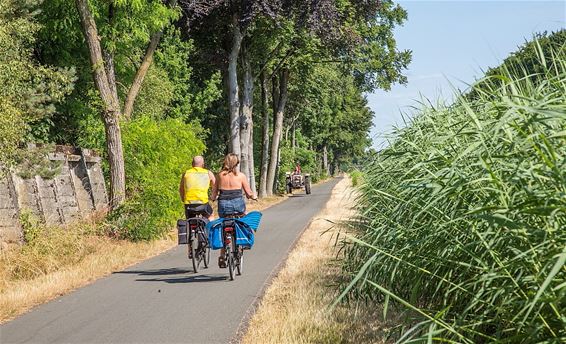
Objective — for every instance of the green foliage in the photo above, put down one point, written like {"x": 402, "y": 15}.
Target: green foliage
{"x": 331, "y": 111}
{"x": 525, "y": 62}
{"x": 189, "y": 97}
{"x": 169, "y": 89}
{"x": 156, "y": 154}
{"x": 35, "y": 162}
{"x": 155, "y": 95}
{"x": 375, "y": 61}
{"x": 31, "y": 227}
{"x": 462, "y": 218}
{"x": 28, "y": 90}
{"x": 357, "y": 177}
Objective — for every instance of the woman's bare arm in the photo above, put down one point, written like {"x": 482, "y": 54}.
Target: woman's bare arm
{"x": 246, "y": 186}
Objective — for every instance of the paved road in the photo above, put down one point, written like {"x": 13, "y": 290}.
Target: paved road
{"x": 162, "y": 301}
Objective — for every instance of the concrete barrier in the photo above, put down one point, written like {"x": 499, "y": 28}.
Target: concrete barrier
{"x": 74, "y": 193}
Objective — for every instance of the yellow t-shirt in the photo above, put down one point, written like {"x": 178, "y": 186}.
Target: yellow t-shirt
{"x": 196, "y": 182}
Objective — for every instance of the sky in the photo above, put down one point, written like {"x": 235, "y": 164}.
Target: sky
{"x": 453, "y": 42}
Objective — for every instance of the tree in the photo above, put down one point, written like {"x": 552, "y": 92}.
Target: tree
{"x": 236, "y": 18}
{"x": 357, "y": 36}
{"x": 105, "y": 80}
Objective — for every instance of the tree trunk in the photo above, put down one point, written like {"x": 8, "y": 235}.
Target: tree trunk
{"x": 233, "y": 92}
{"x": 325, "y": 166}
{"x": 141, "y": 73}
{"x": 109, "y": 58}
{"x": 115, "y": 158}
{"x": 111, "y": 106}
{"x": 251, "y": 164}
{"x": 264, "y": 138}
{"x": 293, "y": 137}
{"x": 111, "y": 74}
{"x": 246, "y": 120}
{"x": 278, "y": 130}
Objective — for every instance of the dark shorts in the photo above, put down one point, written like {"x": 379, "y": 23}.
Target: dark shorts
{"x": 231, "y": 206}
{"x": 202, "y": 209}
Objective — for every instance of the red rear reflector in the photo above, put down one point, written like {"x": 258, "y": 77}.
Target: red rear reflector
{"x": 228, "y": 229}
{"x": 193, "y": 226}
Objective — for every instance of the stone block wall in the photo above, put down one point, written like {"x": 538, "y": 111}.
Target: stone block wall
{"x": 74, "y": 193}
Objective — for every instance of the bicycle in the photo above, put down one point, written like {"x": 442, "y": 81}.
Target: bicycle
{"x": 233, "y": 253}
{"x": 198, "y": 247}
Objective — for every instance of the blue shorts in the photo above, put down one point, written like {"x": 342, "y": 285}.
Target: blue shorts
{"x": 231, "y": 206}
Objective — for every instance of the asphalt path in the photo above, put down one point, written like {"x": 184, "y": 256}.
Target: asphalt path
{"x": 161, "y": 300}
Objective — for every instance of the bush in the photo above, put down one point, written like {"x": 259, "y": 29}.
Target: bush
{"x": 356, "y": 176}
{"x": 156, "y": 153}
{"x": 463, "y": 217}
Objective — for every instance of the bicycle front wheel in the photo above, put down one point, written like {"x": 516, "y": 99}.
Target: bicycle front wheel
{"x": 206, "y": 256}
{"x": 240, "y": 262}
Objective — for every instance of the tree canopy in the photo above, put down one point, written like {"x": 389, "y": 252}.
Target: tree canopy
{"x": 276, "y": 82}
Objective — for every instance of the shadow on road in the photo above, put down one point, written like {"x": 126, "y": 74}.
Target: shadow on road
{"x": 168, "y": 276}
{"x": 157, "y": 272}
{"x": 188, "y": 279}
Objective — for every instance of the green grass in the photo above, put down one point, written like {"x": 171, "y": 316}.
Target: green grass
{"x": 463, "y": 218}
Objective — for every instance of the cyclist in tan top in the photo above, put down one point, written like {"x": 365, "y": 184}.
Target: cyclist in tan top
{"x": 228, "y": 190}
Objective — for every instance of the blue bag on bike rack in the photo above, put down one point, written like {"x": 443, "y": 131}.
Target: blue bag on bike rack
{"x": 244, "y": 235}
{"x": 252, "y": 219}
{"x": 215, "y": 234}
{"x": 245, "y": 228}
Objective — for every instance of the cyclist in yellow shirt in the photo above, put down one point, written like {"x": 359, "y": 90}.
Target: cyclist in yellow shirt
{"x": 193, "y": 189}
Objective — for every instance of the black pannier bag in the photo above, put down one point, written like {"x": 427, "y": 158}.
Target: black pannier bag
{"x": 182, "y": 232}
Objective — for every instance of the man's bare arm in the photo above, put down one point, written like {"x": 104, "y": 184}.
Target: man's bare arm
{"x": 182, "y": 188}
{"x": 212, "y": 178}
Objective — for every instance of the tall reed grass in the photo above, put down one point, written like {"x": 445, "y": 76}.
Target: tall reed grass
{"x": 463, "y": 218}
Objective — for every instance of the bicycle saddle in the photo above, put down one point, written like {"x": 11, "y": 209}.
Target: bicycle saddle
{"x": 234, "y": 216}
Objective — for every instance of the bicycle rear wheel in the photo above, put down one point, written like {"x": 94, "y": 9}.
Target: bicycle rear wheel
{"x": 193, "y": 245}
{"x": 204, "y": 248}
{"x": 231, "y": 267}
{"x": 230, "y": 261}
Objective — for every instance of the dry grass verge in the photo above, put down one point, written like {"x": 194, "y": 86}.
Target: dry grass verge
{"x": 63, "y": 259}
{"x": 295, "y": 308}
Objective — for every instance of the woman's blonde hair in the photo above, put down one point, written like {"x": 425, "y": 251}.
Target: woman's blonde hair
{"x": 231, "y": 162}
